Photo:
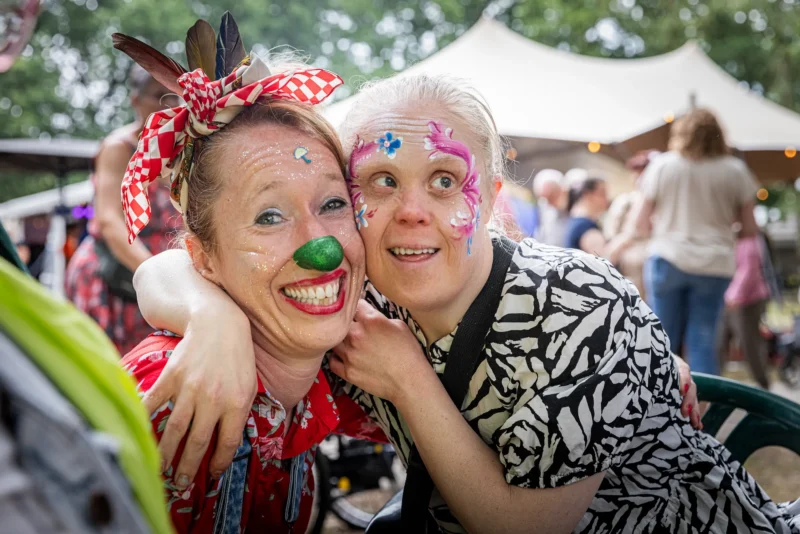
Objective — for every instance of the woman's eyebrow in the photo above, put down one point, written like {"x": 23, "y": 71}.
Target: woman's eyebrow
{"x": 267, "y": 186}
{"x": 332, "y": 176}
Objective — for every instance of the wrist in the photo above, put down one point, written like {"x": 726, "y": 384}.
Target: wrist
{"x": 420, "y": 378}
{"x": 215, "y": 309}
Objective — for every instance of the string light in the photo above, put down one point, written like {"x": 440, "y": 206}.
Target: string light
{"x": 594, "y": 147}
{"x": 790, "y": 152}
{"x": 669, "y": 117}
{"x": 762, "y": 194}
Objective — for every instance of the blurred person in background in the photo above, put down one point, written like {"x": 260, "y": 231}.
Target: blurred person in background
{"x": 551, "y": 202}
{"x": 746, "y": 299}
{"x": 99, "y": 277}
{"x": 588, "y": 201}
{"x": 574, "y": 177}
{"x": 24, "y": 252}
{"x": 620, "y": 220}
{"x": 516, "y": 211}
{"x": 694, "y": 194}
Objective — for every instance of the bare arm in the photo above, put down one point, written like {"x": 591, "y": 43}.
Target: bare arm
{"x": 469, "y": 474}
{"x": 644, "y": 214}
{"x": 595, "y": 243}
{"x": 211, "y": 374}
{"x": 472, "y": 482}
{"x": 111, "y": 163}
{"x": 171, "y": 293}
{"x": 748, "y": 220}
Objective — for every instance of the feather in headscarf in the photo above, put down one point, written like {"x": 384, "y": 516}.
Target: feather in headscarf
{"x": 222, "y": 82}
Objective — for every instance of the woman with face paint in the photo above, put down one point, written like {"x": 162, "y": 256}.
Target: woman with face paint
{"x": 572, "y": 419}
{"x": 259, "y": 179}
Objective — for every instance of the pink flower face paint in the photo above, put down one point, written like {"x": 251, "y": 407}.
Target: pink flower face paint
{"x": 440, "y": 141}
{"x": 361, "y": 151}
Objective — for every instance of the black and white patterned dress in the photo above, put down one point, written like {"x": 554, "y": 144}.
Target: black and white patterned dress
{"x": 578, "y": 379}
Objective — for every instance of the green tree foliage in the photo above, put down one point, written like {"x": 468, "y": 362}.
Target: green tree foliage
{"x": 70, "y": 82}
{"x": 755, "y": 41}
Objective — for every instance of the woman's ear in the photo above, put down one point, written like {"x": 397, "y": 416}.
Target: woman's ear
{"x": 494, "y": 189}
{"x": 201, "y": 259}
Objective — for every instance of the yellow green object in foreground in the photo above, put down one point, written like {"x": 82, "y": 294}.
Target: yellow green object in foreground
{"x": 78, "y": 358}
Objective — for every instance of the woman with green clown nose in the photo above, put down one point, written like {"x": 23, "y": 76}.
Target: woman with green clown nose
{"x": 273, "y": 232}
{"x": 573, "y": 393}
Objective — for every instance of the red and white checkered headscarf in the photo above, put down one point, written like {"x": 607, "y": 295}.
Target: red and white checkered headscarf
{"x": 166, "y": 142}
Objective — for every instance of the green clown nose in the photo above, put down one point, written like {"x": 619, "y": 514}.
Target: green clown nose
{"x": 320, "y": 254}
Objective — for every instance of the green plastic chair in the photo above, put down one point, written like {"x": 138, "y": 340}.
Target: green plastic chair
{"x": 771, "y": 420}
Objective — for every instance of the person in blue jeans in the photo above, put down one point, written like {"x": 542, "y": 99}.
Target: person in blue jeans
{"x": 689, "y": 306}
{"x": 693, "y": 195}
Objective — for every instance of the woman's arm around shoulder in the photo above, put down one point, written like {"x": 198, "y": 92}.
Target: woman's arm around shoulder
{"x": 211, "y": 374}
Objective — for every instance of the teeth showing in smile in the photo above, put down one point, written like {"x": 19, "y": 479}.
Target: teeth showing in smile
{"x": 398, "y": 251}
{"x": 322, "y": 295}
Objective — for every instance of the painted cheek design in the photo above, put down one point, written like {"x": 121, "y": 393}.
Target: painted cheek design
{"x": 361, "y": 151}
{"x": 440, "y": 141}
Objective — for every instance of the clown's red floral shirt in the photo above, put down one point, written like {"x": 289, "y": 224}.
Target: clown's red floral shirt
{"x": 269, "y": 482}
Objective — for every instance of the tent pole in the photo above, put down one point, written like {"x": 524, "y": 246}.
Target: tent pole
{"x": 53, "y": 274}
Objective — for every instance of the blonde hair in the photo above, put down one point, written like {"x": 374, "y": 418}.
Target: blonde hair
{"x": 455, "y": 95}
{"x": 208, "y": 172}
{"x": 698, "y": 135}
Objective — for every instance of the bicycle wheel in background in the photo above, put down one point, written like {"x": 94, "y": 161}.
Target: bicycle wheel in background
{"x": 322, "y": 494}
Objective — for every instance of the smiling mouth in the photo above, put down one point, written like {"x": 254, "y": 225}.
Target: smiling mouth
{"x": 412, "y": 254}
{"x": 321, "y": 295}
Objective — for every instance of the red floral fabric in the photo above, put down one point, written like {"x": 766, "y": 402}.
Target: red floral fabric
{"x": 275, "y": 438}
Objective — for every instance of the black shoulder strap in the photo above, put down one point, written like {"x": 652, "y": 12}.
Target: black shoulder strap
{"x": 465, "y": 355}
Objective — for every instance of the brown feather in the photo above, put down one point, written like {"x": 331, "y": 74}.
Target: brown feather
{"x": 163, "y": 69}
{"x": 201, "y": 48}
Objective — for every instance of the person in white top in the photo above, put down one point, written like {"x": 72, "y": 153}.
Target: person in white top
{"x": 551, "y": 201}
{"x": 694, "y": 194}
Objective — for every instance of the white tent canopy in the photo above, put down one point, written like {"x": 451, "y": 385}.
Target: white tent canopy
{"x": 539, "y": 92}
